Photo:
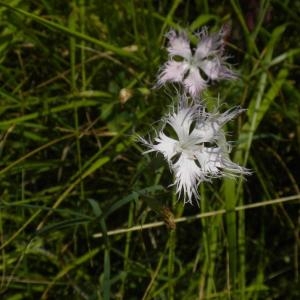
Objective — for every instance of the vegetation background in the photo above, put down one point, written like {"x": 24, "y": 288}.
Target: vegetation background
{"x": 76, "y": 82}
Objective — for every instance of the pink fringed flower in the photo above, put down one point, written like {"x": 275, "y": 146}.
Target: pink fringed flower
{"x": 194, "y": 68}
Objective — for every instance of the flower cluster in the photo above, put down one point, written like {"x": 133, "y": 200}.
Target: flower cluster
{"x": 191, "y": 139}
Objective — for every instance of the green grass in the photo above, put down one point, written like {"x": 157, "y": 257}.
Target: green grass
{"x": 84, "y": 214}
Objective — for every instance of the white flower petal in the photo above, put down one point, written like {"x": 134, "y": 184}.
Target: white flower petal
{"x": 215, "y": 162}
{"x": 166, "y": 146}
{"x": 207, "y": 131}
{"x": 181, "y": 122}
{"x": 187, "y": 176}
{"x": 229, "y": 115}
{"x": 210, "y": 160}
{"x": 231, "y": 169}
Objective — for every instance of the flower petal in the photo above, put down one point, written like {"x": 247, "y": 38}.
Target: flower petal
{"x": 194, "y": 83}
{"x": 166, "y": 146}
{"x": 229, "y": 115}
{"x": 181, "y": 122}
{"x": 209, "y": 44}
{"x": 179, "y": 45}
{"x": 210, "y": 160}
{"x": 212, "y": 68}
{"x": 207, "y": 131}
{"x": 187, "y": 176}
{"x": 204, "y": 48}
{"x": 172, "y": 71}
{"x": 215, "y": 162}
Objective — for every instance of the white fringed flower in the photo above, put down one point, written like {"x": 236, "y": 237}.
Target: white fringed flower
{"x": 199, "y": 150}
{"x": 194, "y": 68}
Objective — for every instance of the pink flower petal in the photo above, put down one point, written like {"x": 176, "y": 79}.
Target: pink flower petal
{"x": 194, "y": 83}
{"x": 172, "y": 71}
{"x": 179, "y": 45}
